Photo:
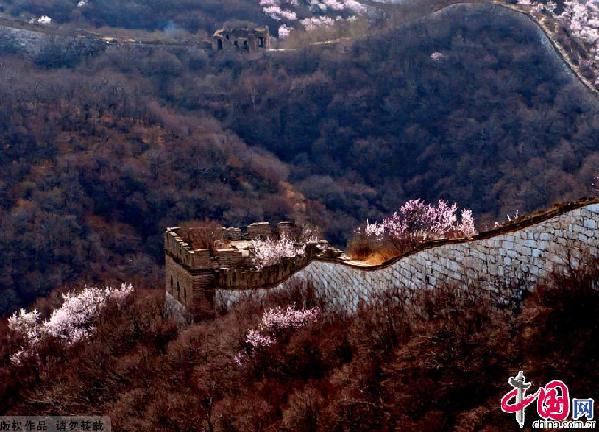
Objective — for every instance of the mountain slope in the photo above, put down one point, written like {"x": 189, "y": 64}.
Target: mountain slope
{"x": 472, "y": 105}
{"x": 98, "y": 156}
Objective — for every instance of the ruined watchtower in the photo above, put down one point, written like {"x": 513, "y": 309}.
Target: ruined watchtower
{"x": 241, "y": 37}
{"x": 194, "y": 275}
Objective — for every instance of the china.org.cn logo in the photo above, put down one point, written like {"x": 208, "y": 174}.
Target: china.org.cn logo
{"x": 553, "y": 405}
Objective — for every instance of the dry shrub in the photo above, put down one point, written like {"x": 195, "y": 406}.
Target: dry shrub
{"x": 303, "y": 411}
{"x": 372, "y": 251}
{"x": 437, "y": 360}
{"x": 560, "y": 328}
{"x": 378, "y": 251}
{"x": 360, "y": 247}
{"x": 297, "y": 292}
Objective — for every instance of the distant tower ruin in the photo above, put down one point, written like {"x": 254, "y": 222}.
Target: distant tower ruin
{"x": 244, "y": 37}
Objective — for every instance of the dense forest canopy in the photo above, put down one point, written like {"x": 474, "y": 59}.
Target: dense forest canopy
{"x": 442, "y": 108}
{"x": 99, "y": 154}
{"x": 142, "y": 14}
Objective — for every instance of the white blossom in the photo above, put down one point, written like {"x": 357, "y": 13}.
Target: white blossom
{"x": 437, "y": 56}
{"x": 275, "y": 12}
{"x": 268, "y": 252}
{"x": 275, "y": 322}
{"x": 284, "y": 31}
{"x": 71, "y": 322}
{"x": 315, "y": 22}
{"x": 581, "y": 17}
{"x": 44, "y": 19}
{"x": 286, "y": 10}
{"x": 416, "y": 218}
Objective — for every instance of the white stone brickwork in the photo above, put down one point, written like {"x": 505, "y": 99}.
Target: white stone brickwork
{"x": 511, "y": 261}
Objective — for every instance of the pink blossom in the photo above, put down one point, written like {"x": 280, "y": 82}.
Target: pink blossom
{"x": 466, "y": 226}
{"x": 268, "y": 252}
{"x": 315, "y": 22}
{"x": 26, "y": 324}
{"x": 71, "y": 322}
{"x": 334, "y": 5}
{"x": 240, "y": 358}
{"x": 284, "y": 31}
{"x": 275, "y": 12}
{"x": 274, "y": 322}
{"x": 277, "y": 318}
{"x": 437, "y": 56}
{"x": 287, "y": 10}
{"x": 581, "y": 17}
{"x": 355, "y": 6}
{"x": 256, "y": 339}
{"x": 416, "y": 218}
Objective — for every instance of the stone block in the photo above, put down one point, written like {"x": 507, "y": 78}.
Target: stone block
{"x": 259, "y": 230}
{"x": 593, "y": 208}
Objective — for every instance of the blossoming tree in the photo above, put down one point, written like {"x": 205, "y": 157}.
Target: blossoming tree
{"x": 270, "y": 251}
{"x": 72, "y": 322}
{"x": 425, "y": 221}
{"x": 286, "y": 12}
{"x": 415, "y": 222}
{"x": 276, "y": 323}
{"x": 581, "y": 20}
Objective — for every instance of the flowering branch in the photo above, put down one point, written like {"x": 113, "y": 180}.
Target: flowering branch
{"x": 275, "y": 322}
{"x": 268, "y": 251}
{"x": 416, "y": 219}
{"x": 70, "y": 323}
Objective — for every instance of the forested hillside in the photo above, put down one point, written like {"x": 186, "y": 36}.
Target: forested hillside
{"x": 150, "y": 15}
{"x": 91, "y": 170}
{"x": 98, "y": 156}
{"x": 439, "y": 362}
{"x": 469, "y": 106}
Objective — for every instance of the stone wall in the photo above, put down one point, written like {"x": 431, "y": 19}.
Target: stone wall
{"x": 46, "y": 45}
{"x": 504, "y": 262}
{"x": 193, "y": 289}
{"x": 193, "y": 276}
{"x": 241, "y": 39}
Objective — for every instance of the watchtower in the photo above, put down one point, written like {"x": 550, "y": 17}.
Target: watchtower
{"x": 241, "y": 37}
{"x": 194, "y": 275}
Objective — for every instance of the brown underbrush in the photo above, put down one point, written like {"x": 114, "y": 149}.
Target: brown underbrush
{"x": 438, "y": 362}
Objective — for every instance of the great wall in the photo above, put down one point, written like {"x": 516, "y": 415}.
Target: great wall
{"x": 205, "y": 282}
{"x": 505, "y": 261}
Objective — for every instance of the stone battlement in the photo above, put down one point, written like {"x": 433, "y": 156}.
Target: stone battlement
{"x": 516, "y": 255}
{"x": 242, "y": 37}
{"x": 231, "y": 250}
{"x": 194, "y": 275}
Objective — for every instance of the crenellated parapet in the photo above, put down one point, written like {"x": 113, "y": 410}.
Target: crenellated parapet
{"x": 178, "y": 249}
{"x": 193, "y": 275}
{"x": 232, "y": 249}
{"x": 506, "y": 261}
